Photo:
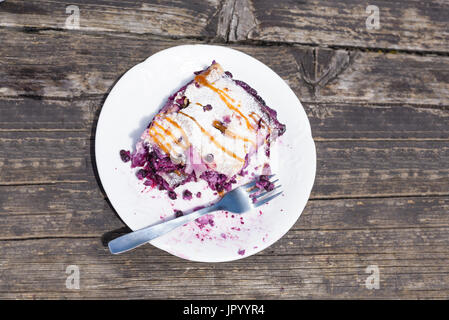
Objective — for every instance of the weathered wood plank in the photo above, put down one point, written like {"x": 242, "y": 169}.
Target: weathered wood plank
{"x": 36, "y": 269}
{"x": 169, "y": 18}
{"x": 406, "y": 237}
{"x": 70, "y": 64}
{"x": 342, "y": 76}
{"x": 380, "y": 122}
{"x": 387, "y": 122}
{"x": 41, "y": 114}
{"x": 77, "y": 210}
{"x": 80, "y": 210}
{"x": 406, "y": 25}
{"x": 329, "y": 121}
{"x": 45, "y": 157}
{"x": 349, "y": 168}
{"x": 381, "y": 168}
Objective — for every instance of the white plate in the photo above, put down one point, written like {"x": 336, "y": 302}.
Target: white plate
{"x": 131, "y": 105}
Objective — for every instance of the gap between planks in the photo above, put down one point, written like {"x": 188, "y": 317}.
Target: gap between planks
{"x": 220, "y": 41}
{"x": 312, "y": 198}
{"x": 324, "y": 230}
{"x": 316, "y": 139}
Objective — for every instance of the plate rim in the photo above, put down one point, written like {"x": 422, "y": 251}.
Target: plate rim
{"x": 307, "y": 136}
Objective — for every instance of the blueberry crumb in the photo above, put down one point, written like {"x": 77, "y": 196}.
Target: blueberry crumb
{"x": 172, "y": 195}
{"x": 187, "y": 195}
{"x": 125, "y": 155}
{"x": 141, "y": 174}
{"x": 178, "y": 213}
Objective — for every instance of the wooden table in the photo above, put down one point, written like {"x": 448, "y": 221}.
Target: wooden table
{"x": 377, "y": 100}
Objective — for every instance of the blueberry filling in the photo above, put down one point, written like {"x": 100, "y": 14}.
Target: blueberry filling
{"x": 178, "y": 213}
{"x": 183, "y": 102}
{"x": 263, "y": 183}
{"x": 187, "y": 195}
{"x": 125, "y": 155}
{"x": 172, "y": 195}
{"x": 217, "y": 181}
{"x": 157, "y": 169}
{"x": 141, "y": 174}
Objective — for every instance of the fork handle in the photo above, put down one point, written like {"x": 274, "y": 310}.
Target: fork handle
{"x": 134, "y": 239}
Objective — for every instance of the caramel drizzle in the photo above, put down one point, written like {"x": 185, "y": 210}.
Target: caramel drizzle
{"x": 166, "y": 148}
{"x": 201, "y": 79}
{"x": 177, "y": 126}
{"x": 225, "y": 94}
{"x": 218, "y": 125}
{"x": 229, "y": 153}
{"x": 185, "y": 143}
{"x": 167, "y": 132}
{"x": 236, "y": 136}
{"x": 253, "y": 116}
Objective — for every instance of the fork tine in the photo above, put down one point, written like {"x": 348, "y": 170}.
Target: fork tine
{"x": 253, "y": 182}
{"x": 263, "y": 201}
{"x": 267, "y": 192}
{"x": 253, "y": 189}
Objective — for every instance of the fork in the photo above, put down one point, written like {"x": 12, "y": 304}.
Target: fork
{"x": 239, "y": 200}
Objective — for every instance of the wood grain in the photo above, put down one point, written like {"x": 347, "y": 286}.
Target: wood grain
{"x": 349, "y": 168}
{"x": 377, "y": 102}
{"x": 170, "y": 18}
{"x": 36, "y": 269}
{"x": 81, "y": 210}
{"x": 405, "y": 25}
{"x": 69, "y": 64}
{"x": 31, "y": 114}
{"x": 45, "y": 157}
{"x": 381, "y": 168}
{"x": 377, "y": 122}
{"x": 406, "y": 237}
{"x": 329, "y": 121}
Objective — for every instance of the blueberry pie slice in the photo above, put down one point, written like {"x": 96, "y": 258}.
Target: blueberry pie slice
{"x": 214, "y": 128}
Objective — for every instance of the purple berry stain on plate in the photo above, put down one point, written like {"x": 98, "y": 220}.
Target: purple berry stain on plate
{"x": 156, "y": 169}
